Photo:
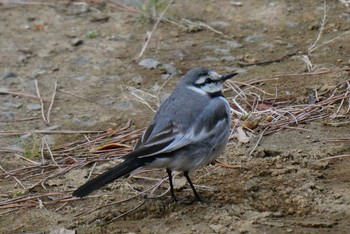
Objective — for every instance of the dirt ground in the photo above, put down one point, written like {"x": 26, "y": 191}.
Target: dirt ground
{"x": 92, "y": 51}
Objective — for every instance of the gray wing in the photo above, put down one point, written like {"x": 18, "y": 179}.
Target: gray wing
{"x": 213, "y": 120}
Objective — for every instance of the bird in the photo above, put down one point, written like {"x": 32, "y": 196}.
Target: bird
{"x": 190, "y": 130}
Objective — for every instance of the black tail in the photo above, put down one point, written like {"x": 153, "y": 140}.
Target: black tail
{"x": 122, "y": 169}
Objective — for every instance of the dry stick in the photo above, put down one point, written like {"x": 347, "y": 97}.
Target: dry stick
{"x": 9, "y": 133}
{"x": 27, "y": 159}
{"x": 249, "y": 85}
{"x": 52, "y": 101}
{"x": 257, "y": 143}
{"x": 22, "y": 94}
{"x": 50, "y": 152}
{"x": 61, "y": 172}
{"x": 154, "y": 29}
{"x": 348, "y": 88}
{"x": 329, "y": 41}
{"x": 9, "y": 211}
{"x": 334, "y": 157}
{"x": 60, "y": 207}
{"x": 323, "y": 23}
{"x": 214, "y": 30}
{"x": 243, "y": 64}
{"x": 158, "y": 185}
{"x": 92, "y": 169}
{"x": 26, "y": 198}
{"x": 122, "y": 6}
{"x": 40, "y": 99}
{"x": 78, "y": 96}
{"x": 117, "y": 202}
{"x": 275, "y": 77}
{"x": 19, "y": 120}
{"x": 336, "y": 139}
{"x": 128, "y": 212}
{"x": 42, "y": 151}
{"x": 143, "y": 101}
{"x": 14, "y": 177}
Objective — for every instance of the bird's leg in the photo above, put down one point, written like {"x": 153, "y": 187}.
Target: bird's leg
{"x": 193, "y": 189}
{"x": 170, "y": 175}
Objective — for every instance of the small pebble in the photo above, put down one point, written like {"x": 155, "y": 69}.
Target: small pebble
{"x": 219, "y": 24}
{"x": 76, "y": 42}
{"x": 268, "y": 45}
{"x": 170, "y": 69}
{"x": 81, "y": 61}
{"x": 165, "y": 76}
{"x": 33, "y": 106}
{"x": 99, "y": 18}
{"x": 120, "y": 37}
{"x": 180, "y": 54}
{"x": 137, "y": 79}
{"x": 211, "y": 59}
{"x": 123, "y": 106}
{"x": 149, "y": 63}
{"x": 79, "y": 8}
{"x": 228, "y": 58}
{"x": 49, "y": 139}
{"x": 83, "y": 121}
{"x": 253, "y": 38}
{"x": 233, "y": 44}
{"x": 80, "y": 78}
{"x": 11, "y": 104}
{"x": 113, "y": 77}
{"x": 7, "y": 74}
{"x": 221, "y": 51}
{"x": 38, "y": 72}
{"x": 105, "y": 101}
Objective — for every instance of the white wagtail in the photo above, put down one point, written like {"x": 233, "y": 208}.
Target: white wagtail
{"x": 189, "y": 131}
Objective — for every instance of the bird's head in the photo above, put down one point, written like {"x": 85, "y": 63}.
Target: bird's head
{"x": 206, "y": 81}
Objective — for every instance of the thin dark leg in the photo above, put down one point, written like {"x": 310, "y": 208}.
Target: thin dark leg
{"x": 170, "y": 175}
{"x": 193, "y": 189}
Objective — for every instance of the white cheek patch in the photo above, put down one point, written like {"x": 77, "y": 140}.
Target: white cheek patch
{"x": 201, "y": 80}
{"x": 197, "y": 90}
{"x": 212, "y": 87}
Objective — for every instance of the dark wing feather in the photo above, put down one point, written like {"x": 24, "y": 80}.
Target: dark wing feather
{"x": 214, "y": 119}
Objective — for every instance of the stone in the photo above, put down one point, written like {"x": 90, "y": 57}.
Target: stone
{"x": 33, "y": 106}
{"x": 253, "y": 38}
{"x": 149, "y": 63}
{"x": 76, "y": 42}
{"x": 7, "y": 74}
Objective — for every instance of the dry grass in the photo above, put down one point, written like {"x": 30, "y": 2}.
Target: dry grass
{"x": 257, "y": 111}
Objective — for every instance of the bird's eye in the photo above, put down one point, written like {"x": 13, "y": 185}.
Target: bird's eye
{"x": 208, "y": 81}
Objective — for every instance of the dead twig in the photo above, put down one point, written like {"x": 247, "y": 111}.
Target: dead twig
{"x": 128, "y": 212}
{"x": 243, "y": 64}
{"x": 52, "y": 101}
{"x": 78, "y": 96}
{"x": 19, "y": 120}
{"x": 10, "y": 133}
{"x": 335, "y": 157}
{"x": 149, "y": 36}
{"x": 41, "y": 100}
{"x": 14, "y": 177}
{"x": 2, "y": 91}
{"x": 50, "y": 152}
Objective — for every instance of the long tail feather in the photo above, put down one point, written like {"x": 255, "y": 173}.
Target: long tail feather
{"x": 120, "y": 170}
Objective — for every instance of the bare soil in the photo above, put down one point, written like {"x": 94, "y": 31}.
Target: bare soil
{"x": 282, "y": 187}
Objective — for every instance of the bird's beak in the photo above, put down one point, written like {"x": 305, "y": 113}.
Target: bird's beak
{"x": 227, "y": 76}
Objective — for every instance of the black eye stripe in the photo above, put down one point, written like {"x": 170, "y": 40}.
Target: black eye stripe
{"x": 208, "y": 81}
